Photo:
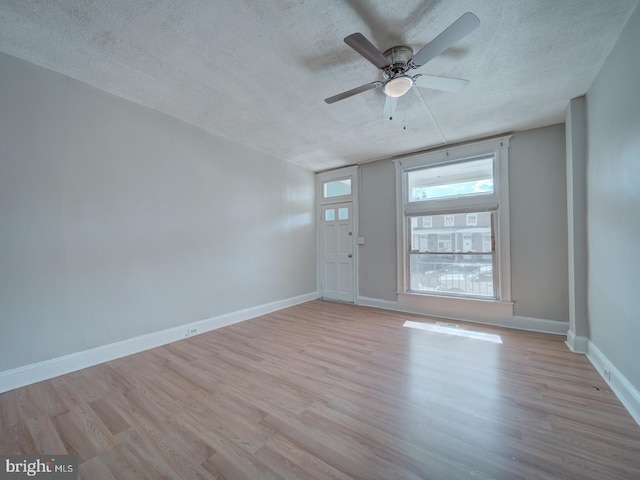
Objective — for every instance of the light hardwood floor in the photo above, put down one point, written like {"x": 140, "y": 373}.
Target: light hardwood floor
{"x": 331, "y": 391}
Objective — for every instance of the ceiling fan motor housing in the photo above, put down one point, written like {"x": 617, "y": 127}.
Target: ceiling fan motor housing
{"x": 399, "y": 58}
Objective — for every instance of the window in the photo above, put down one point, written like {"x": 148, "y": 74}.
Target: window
{"x": 337, "y": 188}
{"x": 452, "y": 264}
{"x": 471, "y": 177}
{"x": 453, "y": 232}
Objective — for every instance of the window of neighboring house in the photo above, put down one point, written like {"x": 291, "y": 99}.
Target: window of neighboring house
{"x": 464, "y": 250}
{"x": 486, "y": 241}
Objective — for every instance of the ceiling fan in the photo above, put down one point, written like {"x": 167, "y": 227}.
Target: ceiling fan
{"x": 396, "y": 62}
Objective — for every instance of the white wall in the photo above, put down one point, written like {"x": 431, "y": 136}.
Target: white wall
{"x": 537, "y": 183}
{"x": 613, "y": 200}
{"x": 117, "y": 221}
{"x": 576, "y": 140}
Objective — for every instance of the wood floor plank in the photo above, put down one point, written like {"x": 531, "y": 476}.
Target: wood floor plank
{"x": 9, "y": 409}
{"x": 285, "y": 457}
{"x": 332, "y": 391}
{"x": 165, "y": 446}
{"x": 46, "y": 399}
{"x": 144, "y": 457}
{"x": 106, "y": 410}
{"x": 16, "y": 440}
{"x": 95, "y": 468}
{"x": 121, "y": 464}
{"x": 83, "y": 434}
{"x": 44, "y": 434}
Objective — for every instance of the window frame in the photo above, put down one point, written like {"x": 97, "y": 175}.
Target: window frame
{"x": 497, "y": 201}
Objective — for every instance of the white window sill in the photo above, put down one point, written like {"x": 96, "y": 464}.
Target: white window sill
{"x": 491, "y": 311}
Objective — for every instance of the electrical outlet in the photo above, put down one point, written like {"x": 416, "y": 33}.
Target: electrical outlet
{"x": 191, "y": 331}
{"x": 607, "y": 374}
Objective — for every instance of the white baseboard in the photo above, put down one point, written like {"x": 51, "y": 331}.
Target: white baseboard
{"x": 577, "y": 343}
{"x": 624, "y": 390}
{"x": 36, "y": 372}
{"x": 541, "y": 325}
{"x": 377, "y": 303}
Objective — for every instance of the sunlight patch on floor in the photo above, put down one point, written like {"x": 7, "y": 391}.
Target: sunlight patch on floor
{"x": 448, "y": 330}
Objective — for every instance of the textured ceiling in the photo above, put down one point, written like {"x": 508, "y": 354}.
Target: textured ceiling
{"x": 257, "y": 71}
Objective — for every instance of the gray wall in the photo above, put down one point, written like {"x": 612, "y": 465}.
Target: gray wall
{"x": 117, "y": 221}
{"x": 613, "y": 200}
{"x": 538, "y": 225}
{"x": 377, "y": 257}
{"x": 538, "y": 217}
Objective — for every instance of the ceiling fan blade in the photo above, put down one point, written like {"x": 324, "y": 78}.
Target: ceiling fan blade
{"x": 352, "y": 92}
{"x": 364, "y": 47}
{"x": 390, "y": 104}
{"x": 446, "y": 84}
{"x": 459, "y": 29}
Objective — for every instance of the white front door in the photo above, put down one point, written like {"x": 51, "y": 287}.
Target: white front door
{"x": 337, "y": 273}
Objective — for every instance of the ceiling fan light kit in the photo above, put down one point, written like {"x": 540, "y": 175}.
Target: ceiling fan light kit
{"x": 398, "y": 86}
{"x": 395, "y": 62}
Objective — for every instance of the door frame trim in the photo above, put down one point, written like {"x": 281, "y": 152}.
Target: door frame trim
{"x": 330, "y": 176}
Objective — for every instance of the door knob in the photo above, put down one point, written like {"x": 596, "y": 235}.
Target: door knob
{"x": 349, "y": 255}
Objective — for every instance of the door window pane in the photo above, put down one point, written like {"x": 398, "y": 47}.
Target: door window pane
{"x": 343, "y": 213}
{"x": 329, "y": 215}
